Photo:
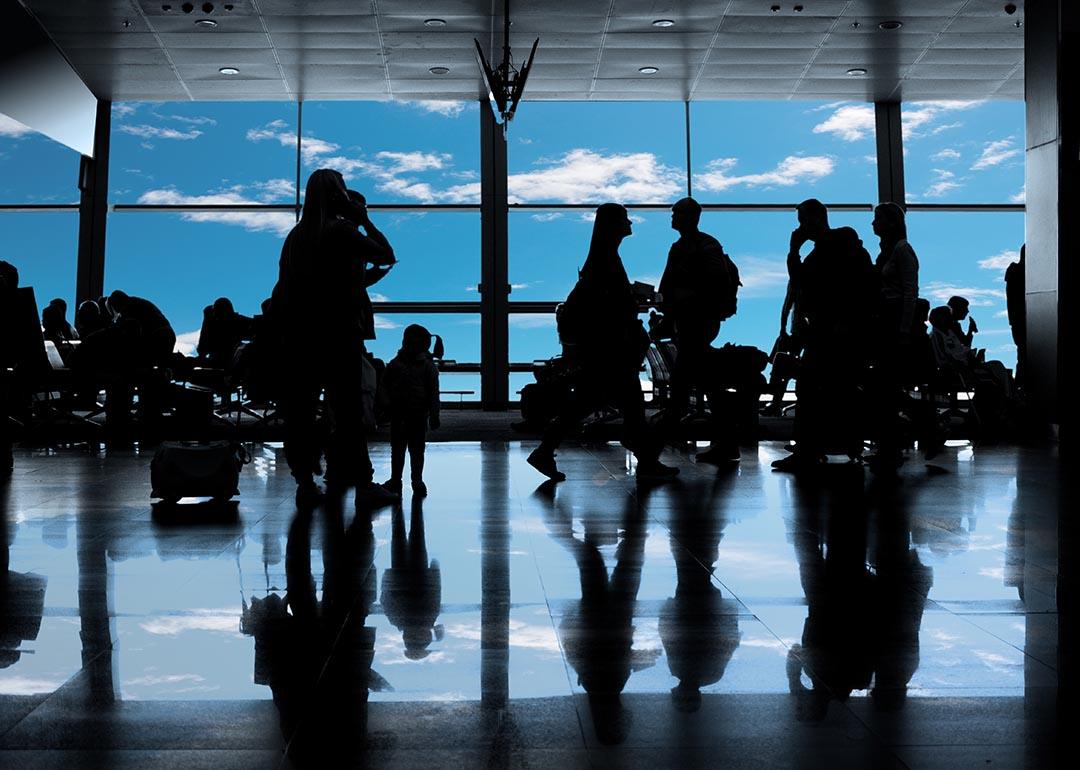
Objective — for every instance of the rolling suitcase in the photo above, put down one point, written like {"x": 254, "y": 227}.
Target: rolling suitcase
{"x": 189, "y": 469}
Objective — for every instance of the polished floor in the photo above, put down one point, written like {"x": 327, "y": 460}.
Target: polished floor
{"x": 739, "y": 618}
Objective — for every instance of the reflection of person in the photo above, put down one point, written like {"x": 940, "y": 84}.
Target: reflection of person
{"x": 22, "y": 595}
{"x": 9, "y": 282}
{"x": 321, "y": 307}
{"x": 698, "y": 627}
{"x": 412, "y": 586}
{"x": 604, "y": 340}
{"x": 598, "y": 631}
{"x": 317, "y": 655}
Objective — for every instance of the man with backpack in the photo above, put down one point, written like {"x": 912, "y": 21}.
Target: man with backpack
{"x": 698, "y": 292}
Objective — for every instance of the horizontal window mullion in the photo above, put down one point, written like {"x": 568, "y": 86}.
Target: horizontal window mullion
{"x": 37, "y": 208}
{"x": 426, "y": 307}
{"x": 967, "y": 207}
{"x": 123, "y": 208}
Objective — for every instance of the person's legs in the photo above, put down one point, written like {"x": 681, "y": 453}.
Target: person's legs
{"x": 398, "y": 444}
{"x": 638, "y": 437}
{"x": 571, "y": 412}
{"x": 417, "y": 438}
{"x": 299, "y": 402}
{"x": 347, "y": 460}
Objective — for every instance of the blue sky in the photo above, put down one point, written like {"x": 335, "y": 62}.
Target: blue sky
{"x": 585, "y": 153}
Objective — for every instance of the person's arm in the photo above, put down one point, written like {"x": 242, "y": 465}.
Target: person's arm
{"x": 908, "y": 271}
{"x": 433, "y": 395}
{"x": 379, "y": 251}
{"x": 785, "y": 311}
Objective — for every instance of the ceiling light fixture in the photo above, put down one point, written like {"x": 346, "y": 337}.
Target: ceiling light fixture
{"x": 890, "y": 25}
{"x": 206, "y": 23}
{"x": 439, "y": 70}
{"x": 434, "y": 22}
{"x": 505, "y": 82}
{"x": 229, "y": 71}
{"x": 857, "y": 71}
{"x": 663, "y": 23}
{"x": 648, "y": 70}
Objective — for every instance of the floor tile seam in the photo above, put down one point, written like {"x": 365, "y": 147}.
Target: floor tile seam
{"x": 1052, "y": 667}
{"x": 555, "y": 631}
{"x": 45, "y": 701}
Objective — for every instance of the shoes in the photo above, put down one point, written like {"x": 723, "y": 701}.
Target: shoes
{"x": 394, "y": 485}
{"x": 654, "y": 470}
{"x": 308, "y": 494}
{"x": 719, "y": 455}
{"x": 544, "y": 461}
{"x": 796, "y": 462}
{"x": 419, "y": 489}
{"x": 375, "y": 496}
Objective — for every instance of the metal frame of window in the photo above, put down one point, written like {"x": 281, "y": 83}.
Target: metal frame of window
{"x": 494, "y": 306}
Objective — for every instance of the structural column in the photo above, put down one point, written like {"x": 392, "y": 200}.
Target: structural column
{"x": 93, "y": 210}
{"x": 890, "y": 153}
{"x": 494, "y": 270}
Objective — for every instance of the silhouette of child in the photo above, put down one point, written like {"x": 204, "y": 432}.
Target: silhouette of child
{"x": 412, "y": 386}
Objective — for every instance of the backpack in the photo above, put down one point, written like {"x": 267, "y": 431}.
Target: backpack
{"x": 728, "y": 294}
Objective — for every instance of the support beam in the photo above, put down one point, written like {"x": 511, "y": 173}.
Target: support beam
{"x": 890, "y": 153}
{"x": 494, "y": 266}
{"x": 93, "y": 210}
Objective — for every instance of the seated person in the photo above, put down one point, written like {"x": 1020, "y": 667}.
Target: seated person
{"x": 959, "y": 307}
{"x": 54, "y": 324}
{"x": 952, "y": 355}
{"x": 91, "y": 318}
{"x": 222, "y": 330}
{"x": 145, "y": 326}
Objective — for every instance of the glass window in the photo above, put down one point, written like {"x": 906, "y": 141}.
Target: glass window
{"x": 438, "y": 256}
{"x": 44, "y": 247}
{"x": 966, "y": 254}
{"x": 964, "y": 152}
{"x": 183, "y": 261}
{"x": 34, "y": 168}
{"x": 203, "y": 152}
{"x": 593, "y": 152}
{"x": 783, "y": 152}
{"x": 397, "y": 152}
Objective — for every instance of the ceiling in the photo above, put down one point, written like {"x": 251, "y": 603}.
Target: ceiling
{"x": 589, "y": 49}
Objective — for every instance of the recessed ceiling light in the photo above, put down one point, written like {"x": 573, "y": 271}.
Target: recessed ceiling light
{"x": 434, "y": 22}
{"x": 648, "y": 70}
{"x": 229, "y": 71}
{"x": 207, "y": 23}
{"x": 890, "y": 25}
{"x": 663, "y": 23}
{"x": 857, "y": 71}
{"x": 439, "y": 70}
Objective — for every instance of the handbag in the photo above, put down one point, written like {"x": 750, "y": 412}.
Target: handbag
{"x": 189, "y": 469}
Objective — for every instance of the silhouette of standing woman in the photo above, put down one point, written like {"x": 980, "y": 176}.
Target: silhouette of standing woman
{"x": 604, "y": 339}
{"x": 322, "y": 311}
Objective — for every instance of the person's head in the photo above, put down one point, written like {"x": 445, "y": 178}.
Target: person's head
{"x": 889, "y": 223}
{"x": 357, "y": 208}
{"x": 417, "y": 639}
{"x": 51, "y": 316}
{"x": 9, "y": 276}
{"x": 325, "y": 198}
{"x": 941, "y": 318}
{"x": 415, "y": 339}
{"x": 223, "y": 307}
{"x": 686, "y": 697}
{"x": 88, "y": 310}
{"x": 959, "y": 307}
{"x": 922, "y": 310}
{"x": 813, "y": 218}
{"x": 117, "y": 301}
{"x": 685, "y": 215}
{"x": 61, "y": 306}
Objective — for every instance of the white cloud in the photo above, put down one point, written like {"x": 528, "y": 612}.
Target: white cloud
{"x": 941, "y": 291}
{"x": 159, "y": 132}
{"x": 277, "y": 222}
{"x": 583, "y": 175}
{"x": 947, "y": 154}
{"x": 123, "y": 109}
{"x": 532, "y": 321}
{"x": 312, "y": 149}
{"x": 12, "y": 128}
{"x": 942, "y": 183}
{"x": 761, "y": 276}
{"x": 275, "y": 189}
{"x": 851, "y": 123}
{"x": 792, "y": 170}
{"x": 1000, "y": 261}
{"x": 186, "y": 343}
{"x": 198, "y": 120}
{"x": 1020, "y": 197}
{"x": 995, "y": 153}
{"x": 382, "y": 322}
{"x": 548, "y": 216}
{"x": 446, "y": 108}
{"x": 946, "y": 127}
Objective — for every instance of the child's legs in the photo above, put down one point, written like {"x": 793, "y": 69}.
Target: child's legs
{"x": 417, "y": 439}
{"x": 398, "y": 442}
